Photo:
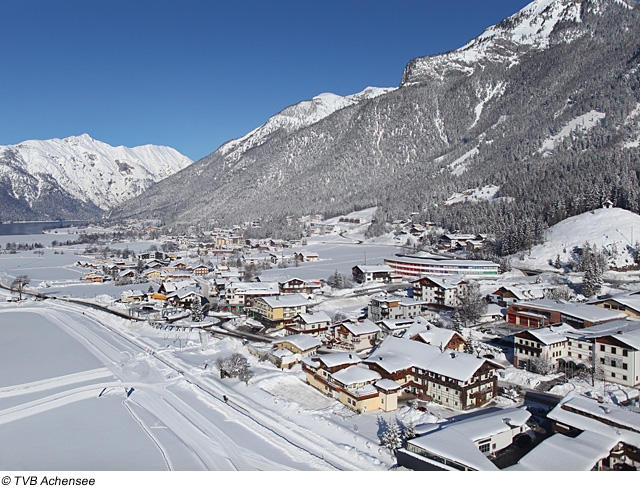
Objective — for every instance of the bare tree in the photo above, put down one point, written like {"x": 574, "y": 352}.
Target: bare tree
{"x": 19, "y": 284}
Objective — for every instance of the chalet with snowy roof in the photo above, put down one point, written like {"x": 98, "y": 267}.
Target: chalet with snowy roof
{"x": 458, "y": 240}
{"x": 384, "y": 306}
{"x": 464, "y": 445}
{"x": 372, "y": 273}
{"x": 153, "y": 275}
{"x": 95, "y": 277}
{"x": 628, "y": 303}
{"x": 295, "y": 285}
{"x": 281, "y": 258}
{"x": 200, "y": 270}
{"x": 450, "y": 378}
{"x": 278, "y": 311}
{"x": 396, "y": 326}
{"x": 132, "y": 296}
{"x": 241, "y": 295}
{"x": 534, "y": 314}
{"x": 184, "y": 297}
{"x": 307, "y": 256}
{"x": 444, "y": 338}
{"x": 507, "y": 295}
{"x": 356, "y": 335}
{"x": 590, "y": 435}
{"x": 341, "y": 376}
{"x": 440, "y": 291}
{"x": 541, "y": 349}
{"x": 303, "y": 344}
{"x": 310, "y": 323}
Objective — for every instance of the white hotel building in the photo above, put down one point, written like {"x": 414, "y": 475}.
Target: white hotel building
{"x": 418, "y": 266}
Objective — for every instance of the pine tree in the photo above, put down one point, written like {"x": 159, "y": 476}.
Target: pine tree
{"x": 391, "y": 438}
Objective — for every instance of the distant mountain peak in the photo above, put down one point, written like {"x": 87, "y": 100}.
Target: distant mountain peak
{"x": 530, "y": 28}
{"x": 84, "y": 169}
{"x": 297, "y": 116}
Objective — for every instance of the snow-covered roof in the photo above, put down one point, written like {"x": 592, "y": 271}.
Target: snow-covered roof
{"x": 361, "y": 327}
{"x": 604, "y": 329}
{"x": 374, "y": 268}
{"x": 387, "y": 385}
{"x": 445, "y": 282}
{"x": 550, "y": 335}
{"x": 317, "y": 317}
{"x": 302, "y": 341}
{"x": 563, "y": 453}
{"x": 254, "y": 287}
{"x": 576, "y": 310}
{"x": 630, "y": 300}
{"x": 286, "y": 300}
{"x": 184, "y": 292}
{"x": 338, "y": 358}
{"x": 397, "y": 354}
{"x": 357, "y": 374}
{"x": 598, "y": 417}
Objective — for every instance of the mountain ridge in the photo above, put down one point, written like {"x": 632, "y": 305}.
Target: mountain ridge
{"x": 409, "y": 149}
{"x": 86, "y": 175}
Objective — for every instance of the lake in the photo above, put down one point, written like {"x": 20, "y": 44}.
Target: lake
{"x": 35, "y": 227}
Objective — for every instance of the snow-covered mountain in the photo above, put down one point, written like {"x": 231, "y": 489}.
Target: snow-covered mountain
{"x": 297, "y": 116}
{"x": 81, "y": 169}
{"x": 543, "y": 106}
{"x": 535, "y": 27}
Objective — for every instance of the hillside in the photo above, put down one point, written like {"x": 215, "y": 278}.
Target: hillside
{"x": 520, "y": 108}
{"x": 614, "y": 230}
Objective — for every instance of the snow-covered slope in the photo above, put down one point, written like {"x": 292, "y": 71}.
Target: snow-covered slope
{"x": 616, "y": 230}
{"x": 298, "y": 116}
{"x": 530, "y": 28}
{"x": 88, "y": 170}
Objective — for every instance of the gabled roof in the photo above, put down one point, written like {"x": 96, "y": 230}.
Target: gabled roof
{"x": 548, "y": 335}
{"x": 581, "y": 311}
{"x": 398, "y": 354}
{"x": 355, "y": 375}
{"x": 301, "y": 341}
{"x": 444, "y": 282}
{"x": 286, "y": 300}
{"x": 360, "y": 327}
{"x": 606, "y": 419}
{"x": 317, "y": 317}
{"x": 563, "y": 453}
{"x": 337, "y": 359}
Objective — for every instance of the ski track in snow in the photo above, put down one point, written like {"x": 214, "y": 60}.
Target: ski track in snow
{"x": 46, "y": 384}
{"x": 207, "y": 441}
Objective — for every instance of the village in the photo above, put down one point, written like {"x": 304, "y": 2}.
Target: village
{"x": 529, "y": 374}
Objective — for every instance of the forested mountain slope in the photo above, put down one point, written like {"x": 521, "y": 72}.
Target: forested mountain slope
{"x": 545, "y": 105}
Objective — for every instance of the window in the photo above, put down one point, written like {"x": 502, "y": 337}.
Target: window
{"x": 613, "y": 350}
{"x": 624, "y": 366}
{"x": 602, "y": 348}
{"x": 625, "y": 352}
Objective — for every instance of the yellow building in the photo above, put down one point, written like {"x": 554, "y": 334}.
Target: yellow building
{"x": 276, "y": 311}
{"x": 357, "y": 387}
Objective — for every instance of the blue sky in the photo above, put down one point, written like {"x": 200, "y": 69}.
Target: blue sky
{"x": 193, "y": 74}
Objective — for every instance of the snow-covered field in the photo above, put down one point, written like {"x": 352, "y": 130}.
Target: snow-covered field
{"x": 100, "y": 390}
